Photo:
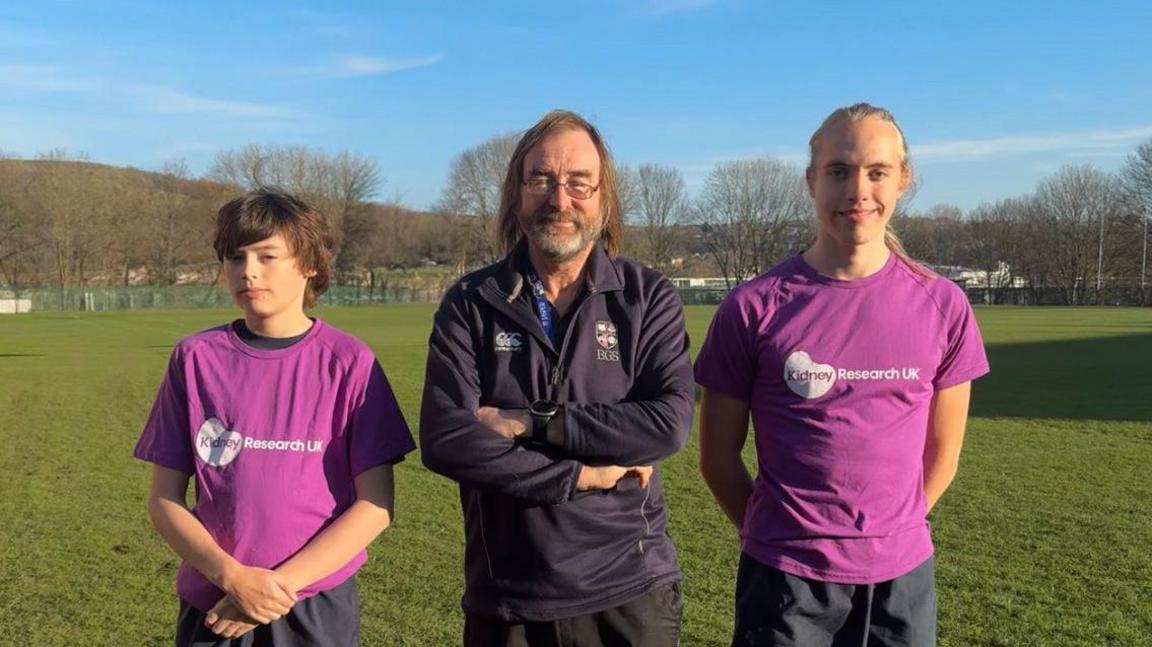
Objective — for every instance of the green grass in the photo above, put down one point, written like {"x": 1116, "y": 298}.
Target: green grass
{"x": 1044, "y": 539}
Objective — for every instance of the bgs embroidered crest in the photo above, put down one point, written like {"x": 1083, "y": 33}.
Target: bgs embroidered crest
{"x": 606, "y": 334}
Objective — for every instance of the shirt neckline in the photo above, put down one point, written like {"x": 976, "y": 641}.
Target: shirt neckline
{"x": 806, "y": 270}
{"x": 277, "y": 353}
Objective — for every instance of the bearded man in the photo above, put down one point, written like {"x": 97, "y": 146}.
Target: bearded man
{"x": 557, "y": 379}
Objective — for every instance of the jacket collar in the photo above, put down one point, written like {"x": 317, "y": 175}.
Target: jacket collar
{"x": 601, "y": 273}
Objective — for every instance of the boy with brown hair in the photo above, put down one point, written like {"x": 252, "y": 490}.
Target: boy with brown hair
{"x": 290, "y": 429}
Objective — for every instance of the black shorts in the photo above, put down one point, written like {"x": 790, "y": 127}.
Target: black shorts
{"x": 774, "y": 609}
{"x": 651, "y": 620}
{"x": 328, "y": 619}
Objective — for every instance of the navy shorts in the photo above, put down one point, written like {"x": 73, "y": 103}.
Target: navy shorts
{"x": 328, "y": 619}
{"x": 651, "y": 620}
{"x": 776, "y": 609}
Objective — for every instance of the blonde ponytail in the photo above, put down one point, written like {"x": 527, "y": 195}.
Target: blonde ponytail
{"x": 896, "y": 246}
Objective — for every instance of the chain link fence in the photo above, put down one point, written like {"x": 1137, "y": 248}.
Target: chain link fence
{"x": 96, "y": 299}
{"x": 103, "y": 299}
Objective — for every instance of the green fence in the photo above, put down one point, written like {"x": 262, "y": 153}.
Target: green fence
{"x": 212, "y": 296}
{"x": 97, "y": 299}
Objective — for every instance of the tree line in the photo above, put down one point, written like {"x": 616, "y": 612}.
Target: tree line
{"x": 1081, "y": 236}
{"x": 68, "y": 222}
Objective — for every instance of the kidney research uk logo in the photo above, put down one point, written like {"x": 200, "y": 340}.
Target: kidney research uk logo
{"x": 218, "y": 445}
{"x": 810, "y": 379}
{"x": 807, "y": 378}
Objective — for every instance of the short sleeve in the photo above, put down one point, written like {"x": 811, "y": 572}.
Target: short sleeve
{"x": 377, "y": 432}
{"x": 166, "y": 440}
{"x": 964, "y": 357}
{"x": 726, "y": 361}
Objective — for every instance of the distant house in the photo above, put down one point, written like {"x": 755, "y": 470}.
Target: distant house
{"x": 707, "y": 283}
{"x": 1001, "y": 277}
{"x": 11, "y": 305}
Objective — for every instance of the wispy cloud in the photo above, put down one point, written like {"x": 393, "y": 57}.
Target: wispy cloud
{"x": 665, "y": 7}
{"x": 1099, "y": 154}
{"x": 360, "y": 66}
{"x": 149, "y": 98}
{"x": 167, "y": 101}
{"x": 1097, "y": 141}
{"x": 41, "y": 78}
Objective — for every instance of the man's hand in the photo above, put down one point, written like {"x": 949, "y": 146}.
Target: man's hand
{"x": 509, "y": 423}
{"x": 606, "y": 477}
{"x": 227, "y": 620}
{"x": 259, "y": 593}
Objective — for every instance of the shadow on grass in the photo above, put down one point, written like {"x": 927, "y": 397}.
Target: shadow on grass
{"x": 1089, "y": 379}
{"x": 2, "y": 355}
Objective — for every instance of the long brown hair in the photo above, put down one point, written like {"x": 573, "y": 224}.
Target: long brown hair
{"x": 859, "y": 112}
{"x": 557, "y": 121}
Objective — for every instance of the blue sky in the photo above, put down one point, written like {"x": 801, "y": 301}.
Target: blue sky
{"x": 992, "y": 95}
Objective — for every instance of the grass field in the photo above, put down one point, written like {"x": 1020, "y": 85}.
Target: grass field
{"x": 1044, "y": 539}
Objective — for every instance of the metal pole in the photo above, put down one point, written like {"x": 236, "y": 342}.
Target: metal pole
{"x": 1144, "y": 261}
{"x": 1100, "y": 261}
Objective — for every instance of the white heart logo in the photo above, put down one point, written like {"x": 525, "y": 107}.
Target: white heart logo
{"x": 807, "y": 378}
{"x": 216, "y": 444}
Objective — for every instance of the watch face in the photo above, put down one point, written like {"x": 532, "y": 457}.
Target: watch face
{"x": 543, "y": 408}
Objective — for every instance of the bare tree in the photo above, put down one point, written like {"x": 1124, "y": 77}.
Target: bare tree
{"x": 352, "y": 180}
{"x": 1136, "y": 175}
{"x": 339, "y": 185}
{"x": 1136, "y": 178}
{"x": 999, "y": 246}
{"x": 74, "y": 225}
{"x": 169, "y": 239}
{"x": 63, "y": 155}
{"x": 473, "y": 190}
{"x": 628, "y": 190}
{"x": 938, "y": 235}
{"x": 19, "y": 238}
{"x": 750, "y": 213}
{"x": 1074, "y": 209}
{"x": 661, "y": 203}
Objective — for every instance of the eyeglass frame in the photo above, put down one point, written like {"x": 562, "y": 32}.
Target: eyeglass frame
{"x": 552, "y": 185}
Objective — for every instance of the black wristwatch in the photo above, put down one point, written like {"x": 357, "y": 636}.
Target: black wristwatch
{"x": 542, "y": 412}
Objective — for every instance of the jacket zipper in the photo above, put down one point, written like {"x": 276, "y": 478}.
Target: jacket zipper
{"x": 555, "y": 384}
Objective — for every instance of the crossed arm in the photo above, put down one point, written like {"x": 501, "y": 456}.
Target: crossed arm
{"x": 259, "y": 595}
{"x": 513, "y": 423}
{"x": 472, "y": 442}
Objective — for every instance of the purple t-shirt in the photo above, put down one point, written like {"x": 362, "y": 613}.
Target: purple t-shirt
{"x": 275, "y": 439}
{"x": 839, "y": 376}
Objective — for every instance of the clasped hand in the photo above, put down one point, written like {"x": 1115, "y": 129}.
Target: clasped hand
{"x": 253, "y": 596}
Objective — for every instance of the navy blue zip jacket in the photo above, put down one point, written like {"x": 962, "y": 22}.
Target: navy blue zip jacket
{"x": 535, "y": 549}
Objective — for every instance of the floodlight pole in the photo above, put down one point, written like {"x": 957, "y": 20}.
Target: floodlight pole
{"x": 1144, "y": 260}
{"x": 1100, "y": 262}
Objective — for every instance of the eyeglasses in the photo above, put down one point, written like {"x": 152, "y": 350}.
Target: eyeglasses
{"x": 577, "y": 189}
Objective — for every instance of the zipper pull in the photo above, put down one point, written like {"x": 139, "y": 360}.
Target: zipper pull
{"x": 555, "y": 375}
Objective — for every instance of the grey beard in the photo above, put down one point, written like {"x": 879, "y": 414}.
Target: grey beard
{"x": 561, "y": 248}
